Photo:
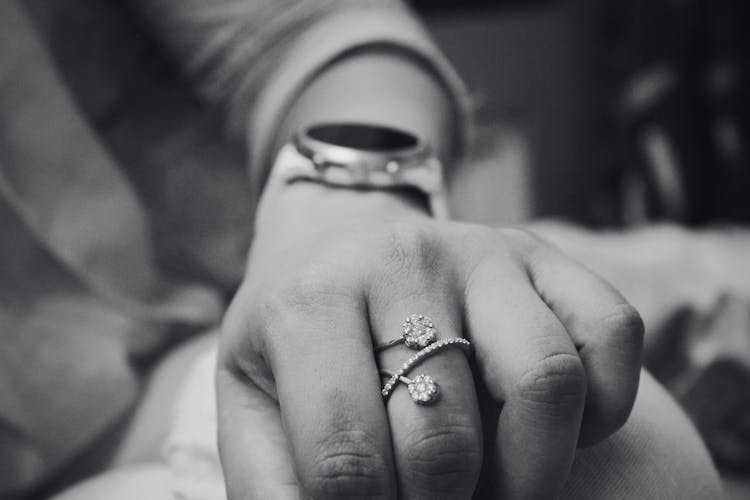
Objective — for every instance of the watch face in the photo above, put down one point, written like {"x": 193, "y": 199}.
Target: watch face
{"x": 366, "y": 137}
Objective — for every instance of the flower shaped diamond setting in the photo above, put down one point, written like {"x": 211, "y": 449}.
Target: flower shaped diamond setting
{"x": 423, "y": 389}
{"x": 418, "y": 331}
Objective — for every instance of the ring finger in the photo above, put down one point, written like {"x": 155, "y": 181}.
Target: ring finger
{"x": 437, "y": 445}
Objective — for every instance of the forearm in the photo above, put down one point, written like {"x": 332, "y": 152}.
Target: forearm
{"x": 273, "y": 66}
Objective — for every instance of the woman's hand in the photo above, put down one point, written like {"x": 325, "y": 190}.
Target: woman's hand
{"x": 333, "y": 272}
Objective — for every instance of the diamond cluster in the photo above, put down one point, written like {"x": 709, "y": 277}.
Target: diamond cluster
{"x": 423, "y": 389}
{"x": 418, "y": 331}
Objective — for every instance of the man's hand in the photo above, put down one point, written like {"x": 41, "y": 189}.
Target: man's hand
{"x": 332, "y": 273}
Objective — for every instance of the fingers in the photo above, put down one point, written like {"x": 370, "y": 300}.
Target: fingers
{"x": 254, "y": 450}
{"x": 607, "y": 331}
{"x": 437, "y": 447}
{"x": 530, "y": 366}
{"x": 317, "y": 344}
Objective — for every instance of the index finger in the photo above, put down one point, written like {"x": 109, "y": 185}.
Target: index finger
{"x": 319, "y": 349}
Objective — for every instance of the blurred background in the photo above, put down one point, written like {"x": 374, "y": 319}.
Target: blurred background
{"x": 647, "y": 98}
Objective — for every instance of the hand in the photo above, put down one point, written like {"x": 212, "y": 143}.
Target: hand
{"x": 333, "y": 272}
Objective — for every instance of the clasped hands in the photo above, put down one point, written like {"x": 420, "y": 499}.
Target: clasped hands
{"x": 333, "y": 272}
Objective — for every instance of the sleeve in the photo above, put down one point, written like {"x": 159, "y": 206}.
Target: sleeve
{"x": 253, "y": 57}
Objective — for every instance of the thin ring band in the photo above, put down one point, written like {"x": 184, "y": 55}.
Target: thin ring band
{"x": 419, "y": 357}
{"x": 391, "y": 373}
{"x": 386, "y": 345}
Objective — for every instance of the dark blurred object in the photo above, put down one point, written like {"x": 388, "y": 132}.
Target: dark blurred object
{"x": 718, "y": 404}
{"x": 727, "y": 89}
{"x": 437, "y": 5}
{"x": 683, "y": 110}
{"x": 705, "y": 363}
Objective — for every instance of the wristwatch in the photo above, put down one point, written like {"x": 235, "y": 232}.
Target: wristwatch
{"x": 360, "y": 155}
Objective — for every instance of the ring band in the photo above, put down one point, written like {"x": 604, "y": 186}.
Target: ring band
{"x": 417, "y": 332}
{"x": 422, "y": 394}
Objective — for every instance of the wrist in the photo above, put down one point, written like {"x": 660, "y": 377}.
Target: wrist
{"x": 311, "y": 204}
{"x": 338, "y": 172}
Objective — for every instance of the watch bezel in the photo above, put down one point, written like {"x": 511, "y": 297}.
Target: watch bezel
{"x": 306, "y": 158}
{"x": 326, "y": 155}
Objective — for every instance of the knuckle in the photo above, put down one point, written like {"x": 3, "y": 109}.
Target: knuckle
{"x": 308, "y": 290}
{"x": 446, "y": 459}
{"x": 485, "y": 244}
{"x": 347, "y": 465}
{"x": 558, "y": 379}
{"x": 292, "y": 305}
{"x": 522, "y": 236}
{"x": 525, "y": 245}
{"x": 625, "y": 325}
{"x": 411, "y": 247}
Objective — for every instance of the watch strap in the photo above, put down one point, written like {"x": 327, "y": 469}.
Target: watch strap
{"x": 426, "y": 176}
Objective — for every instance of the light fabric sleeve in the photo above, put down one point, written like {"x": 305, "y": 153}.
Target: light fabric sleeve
{"x": 253, "y": 57}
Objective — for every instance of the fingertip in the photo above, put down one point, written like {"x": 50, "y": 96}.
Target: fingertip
{"x": 614, "y": 365}
{"x": 623, "y": 323}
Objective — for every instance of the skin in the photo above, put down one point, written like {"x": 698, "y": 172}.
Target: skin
{"x": 556, "y": 348}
